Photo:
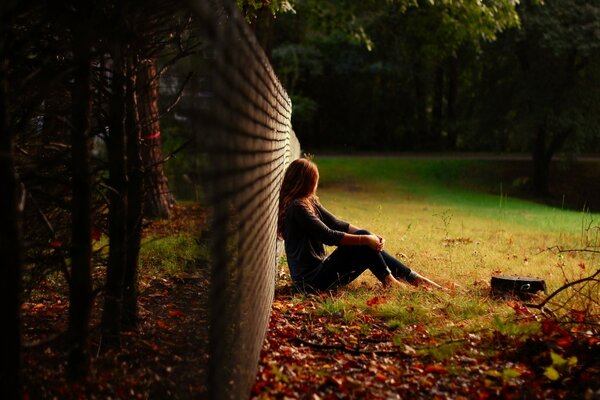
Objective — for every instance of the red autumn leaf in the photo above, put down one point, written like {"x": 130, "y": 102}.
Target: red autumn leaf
{"x": 162, "y": 324}
{"x": 564, "y": 341}
{"x": 421, "y": 329}
{"x": 436, "y": 368}
{"x": 483, "y": 395}
{"x": 152, "y": 345}
{"x": 96, "y": 234}
{"x": 381, "y": 377}
{"x": 593, "y": 340}
{"x": 375, "y": 300}
{"x": 258, "y": 387}
{"x": 519, "y": 309}
{"x": 55, "y": 244}
{"x": 298, "y": 307}
{"x": 176, "y": 313}
{"x": 338, "y": 381}
{"x": 578, "y": 315}
{"x": 550, "y": 326}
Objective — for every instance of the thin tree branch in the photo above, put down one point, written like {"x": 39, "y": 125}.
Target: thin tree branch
{"x": 562, "y": 288}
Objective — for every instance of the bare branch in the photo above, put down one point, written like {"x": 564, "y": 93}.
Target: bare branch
{"x": 591, "y": 278}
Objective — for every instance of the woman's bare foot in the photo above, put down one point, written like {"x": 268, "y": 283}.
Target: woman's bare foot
{"x": 420, "y": 280}
{"x": 391, "y": 282}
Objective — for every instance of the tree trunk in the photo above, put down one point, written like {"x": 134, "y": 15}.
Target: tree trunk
{"x": 80, "y": 293}
{"x": 10, "y": 253}
{"x": 451, "y": 103}
{"x": 420, "y": 105}
{"x": 264, "y": 26}
{"x": 134, "y": 206}
{"x": 438, "y": 103}
{"x": 54, "y": 127}
{"x": 117, "y": 196}
{"x": 541, "y": 162}
{"x": 158, "y": 198}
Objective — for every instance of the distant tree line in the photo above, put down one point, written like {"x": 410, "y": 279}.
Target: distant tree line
{"x": 441, "y": 76}
{"x": 81, "y": 160}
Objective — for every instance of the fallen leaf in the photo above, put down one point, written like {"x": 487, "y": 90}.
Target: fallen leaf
{"x": 551, "y": 373}
{"x": 436, "y": 368}
{"x": 176, "y": 313}
{"x": 96, "y": 234}
{"x": 375, "y": 300}
{"x": 162, "y": 324}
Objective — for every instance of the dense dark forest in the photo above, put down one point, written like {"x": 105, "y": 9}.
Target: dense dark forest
{"x": 384, "y": 76}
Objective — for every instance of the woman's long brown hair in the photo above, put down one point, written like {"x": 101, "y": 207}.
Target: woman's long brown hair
{"x": 299, "y": 182}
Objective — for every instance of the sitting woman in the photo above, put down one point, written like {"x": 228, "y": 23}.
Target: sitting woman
{"x": 306, "y": 225}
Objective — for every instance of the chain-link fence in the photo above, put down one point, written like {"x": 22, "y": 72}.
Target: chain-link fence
{"x": 239, "y": 116}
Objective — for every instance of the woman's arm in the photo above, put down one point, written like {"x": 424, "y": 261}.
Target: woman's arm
{"x": 325, "y": 230}
{"x": 331, "y": 220}
{"x": 373, "y": 241}
{"x": 352, "y": 228}
{"x": 307, "y": 221}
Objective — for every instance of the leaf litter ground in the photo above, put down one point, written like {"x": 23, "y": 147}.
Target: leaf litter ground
{"x": 307, "y": 354}
{"x": 314, "y": 355}
{"x": 164, "y": 359}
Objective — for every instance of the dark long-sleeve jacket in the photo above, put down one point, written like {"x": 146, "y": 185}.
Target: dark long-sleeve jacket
{"x": 306, "y": 233}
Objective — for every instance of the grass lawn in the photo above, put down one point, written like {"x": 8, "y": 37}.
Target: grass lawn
{"x": 452, "y": 221}
{"x": 436, "y": 220}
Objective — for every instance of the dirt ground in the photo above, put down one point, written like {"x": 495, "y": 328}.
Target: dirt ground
{"x": 164, "y": 359}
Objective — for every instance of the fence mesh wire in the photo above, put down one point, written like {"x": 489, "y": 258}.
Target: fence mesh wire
{"x": 240, "y": 118}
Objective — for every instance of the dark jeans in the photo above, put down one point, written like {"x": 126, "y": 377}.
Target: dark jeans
{"x": 346, "y": 263}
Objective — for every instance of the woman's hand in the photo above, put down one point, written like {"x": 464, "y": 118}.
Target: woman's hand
{"x": 375, "y": 242}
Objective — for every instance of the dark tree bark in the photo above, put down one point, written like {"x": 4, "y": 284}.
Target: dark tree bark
{"x": 545, "y": 147}
{"x": 80, "y": 293}
{"x": 264, "y": 27}
{"x": 134, "y": 206}
{"x": 117, "y": 196}
{"x": 420, "y": 105}
{"x": 451, "y": 103}
{"x": 54, "y": 107}
{"x": 10, "y": 250}
{"x": 438, "y": 103}
{"x": 548, "y": 141}
{"x": 158, "y": 198}
{"x": 541, "y": 162}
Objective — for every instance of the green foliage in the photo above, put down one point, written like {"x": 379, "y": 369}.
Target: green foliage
{"x": 539, "y": 81}
{"x": 297, "y": 63}
{"x": 400, "y": 314}
{"x": 250, "y": 7}
{"x": 515, "y": 329}
{"x": 337, "y": 307}
{"x": 429, "y": 75}
{"x": 444, "y": 351}
{"x": 560, "y": 366}
{"x": 172, "y": 255}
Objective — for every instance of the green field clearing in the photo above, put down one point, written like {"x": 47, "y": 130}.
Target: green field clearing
{"x": 438, "y": 218}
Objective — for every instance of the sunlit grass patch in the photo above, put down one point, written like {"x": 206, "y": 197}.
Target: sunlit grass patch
{"x": 172, "y": 255}
{"x": 337, "y": 307}
{"x": 453, "y": 234}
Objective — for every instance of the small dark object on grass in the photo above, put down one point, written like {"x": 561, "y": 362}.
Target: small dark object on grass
{"x": 519, "y": 286}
